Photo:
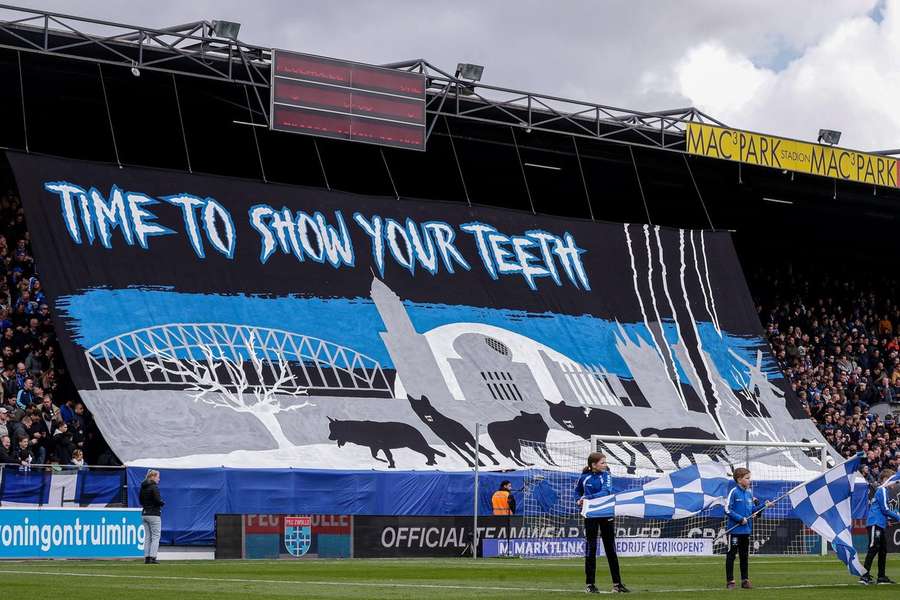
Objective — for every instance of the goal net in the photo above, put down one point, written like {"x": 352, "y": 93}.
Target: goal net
{"x": 550, "y": 511}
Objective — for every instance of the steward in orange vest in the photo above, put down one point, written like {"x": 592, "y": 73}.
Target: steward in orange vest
{"x": 503, "y": 501}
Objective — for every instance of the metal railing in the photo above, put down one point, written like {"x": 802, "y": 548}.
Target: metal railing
{"x": 191, "y": 49}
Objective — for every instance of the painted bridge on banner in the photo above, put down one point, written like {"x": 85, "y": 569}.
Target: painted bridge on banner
{"x": 180, "y": 355}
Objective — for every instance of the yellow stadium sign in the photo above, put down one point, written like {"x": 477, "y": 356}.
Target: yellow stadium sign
{"x": 791, "y": 155}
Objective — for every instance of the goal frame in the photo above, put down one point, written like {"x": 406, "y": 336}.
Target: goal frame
{"x": 822, "y": 447}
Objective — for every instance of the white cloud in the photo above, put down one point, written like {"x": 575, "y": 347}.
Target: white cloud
{"x": 720, "y": 81}
{"x": 849, "y": 80}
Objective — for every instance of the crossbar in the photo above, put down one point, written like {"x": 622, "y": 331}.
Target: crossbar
{"x": 759, "y": 444}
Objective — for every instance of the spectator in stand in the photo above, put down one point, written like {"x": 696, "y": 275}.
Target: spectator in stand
{"x": 14, "y": 412}
{"x": 38, "y": 437}
{"x": 77, "y": 458}
{"x": 884, "y": 391}
{"x": 7, "y": 452}
{"x": 61, "y": 444}
{"x": 67, "y": 410}
{"x": 34, "y": 362}
{"x": 23, "y": 454}
{"x": 8, "y": 383}
{"x": 37, "y": 291}
{"x": 21, "y": 374}
{"x": 77, "y": 426}
{"x": 25, "y": 306}
{"x": 49, "y": 414}
{"x": 43, "y": 315}
{"x": 14, "y": 425}
{"x": 48, "y": 379}
{"x": 25, "y": 397}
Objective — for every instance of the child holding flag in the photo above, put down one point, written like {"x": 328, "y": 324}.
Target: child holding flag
{"x": 596, "y": 482}
{"x": 739, "y": 509}
{"x": 877, "y": 522}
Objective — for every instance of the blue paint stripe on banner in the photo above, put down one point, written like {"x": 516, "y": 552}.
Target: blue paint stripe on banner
{"x": 98, "y": 314}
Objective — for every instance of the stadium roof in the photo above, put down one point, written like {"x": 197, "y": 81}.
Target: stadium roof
{"x": 196, "y": 50}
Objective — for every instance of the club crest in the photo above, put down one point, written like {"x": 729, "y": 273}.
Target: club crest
{"x": 297, "y": 535}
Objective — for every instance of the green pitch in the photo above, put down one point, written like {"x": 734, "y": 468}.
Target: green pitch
{"x": 439, "y": 579}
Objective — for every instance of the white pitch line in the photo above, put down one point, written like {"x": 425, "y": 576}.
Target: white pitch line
{"x": 400, "y": 585}
{"x": 550, "y": 563}
{"x": 801, "y": 586}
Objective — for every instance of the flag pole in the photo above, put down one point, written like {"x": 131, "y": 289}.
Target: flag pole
{"x": 475, "y": 497}
{"x": 823, "y": 458}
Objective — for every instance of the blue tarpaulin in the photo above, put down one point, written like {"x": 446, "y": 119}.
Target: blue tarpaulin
{"x": 25, "y": 487}
{"x": 100, "y": 487}
{"x": 194, "y": 496}
{"x": 93, "y": 487}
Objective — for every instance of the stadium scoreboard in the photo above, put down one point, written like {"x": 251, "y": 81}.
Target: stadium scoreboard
{"x": 339, "y": 99}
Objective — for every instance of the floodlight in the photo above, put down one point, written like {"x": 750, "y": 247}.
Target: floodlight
{"x": 829, "y": 136}
{"x": 226, "y": 29}
{"x": 469, "y": 71}
{"x": 134, "y": 70}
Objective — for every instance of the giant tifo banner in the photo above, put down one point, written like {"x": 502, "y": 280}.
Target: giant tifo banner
{"x": 211, "y": 321}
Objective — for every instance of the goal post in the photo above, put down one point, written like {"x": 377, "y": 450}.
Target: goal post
{"x": 549, "y": 505}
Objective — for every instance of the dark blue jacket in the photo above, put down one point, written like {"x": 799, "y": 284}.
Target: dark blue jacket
{"x": 739, "y": 505}
{"x": 880, "y": 510}
{"x": 594, "y": 485}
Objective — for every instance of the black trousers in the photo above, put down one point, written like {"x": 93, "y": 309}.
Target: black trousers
{"x": 877, "y": 545}
{"x": 738, "y": 544}
{"x": 607, "y": 530}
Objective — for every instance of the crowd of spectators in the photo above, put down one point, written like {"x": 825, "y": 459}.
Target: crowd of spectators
{"x": 41, "y": 420}
{"x": 838, "y": 342}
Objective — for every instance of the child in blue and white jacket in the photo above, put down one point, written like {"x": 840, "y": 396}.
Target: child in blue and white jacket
{"x": 877, "y": 522}
{"x": 739, "y": 505}
{"x": 596, "y": 482}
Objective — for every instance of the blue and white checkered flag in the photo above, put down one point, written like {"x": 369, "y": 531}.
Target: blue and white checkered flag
{"x": 823, "y": 504}
{"x": 677, "y": 495}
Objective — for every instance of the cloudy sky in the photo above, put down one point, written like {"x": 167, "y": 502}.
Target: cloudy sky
{"x": 786, "y": 67}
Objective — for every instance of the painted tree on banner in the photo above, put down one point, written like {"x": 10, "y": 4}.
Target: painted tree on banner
{"x": 221, "y": 380}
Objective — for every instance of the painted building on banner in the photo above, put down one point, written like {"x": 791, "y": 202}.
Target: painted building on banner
{"x": 409, "y": 350}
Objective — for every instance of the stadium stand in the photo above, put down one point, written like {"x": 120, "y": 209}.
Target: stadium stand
{"x": 836, "y": 339}
{"x": 39, "y": 402}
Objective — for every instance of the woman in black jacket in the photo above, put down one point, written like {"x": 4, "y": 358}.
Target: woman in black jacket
{"x": 150, "y": 515}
